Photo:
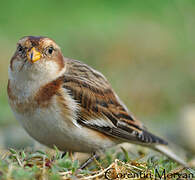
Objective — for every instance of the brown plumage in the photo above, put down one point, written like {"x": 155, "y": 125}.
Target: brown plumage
{"x": 97, "y": 99}
{"x": 64, "y": 102}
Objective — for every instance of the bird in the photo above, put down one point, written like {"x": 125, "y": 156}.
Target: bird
{"x": 65, "y": 103}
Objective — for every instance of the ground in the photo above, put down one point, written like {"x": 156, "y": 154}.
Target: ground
{"x": 114, "y": 164}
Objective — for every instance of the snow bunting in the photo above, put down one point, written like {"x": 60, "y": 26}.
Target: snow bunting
{"x": 64, "y": 102}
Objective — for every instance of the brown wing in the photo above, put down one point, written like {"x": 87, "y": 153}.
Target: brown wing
{"x": 101, "y": 109}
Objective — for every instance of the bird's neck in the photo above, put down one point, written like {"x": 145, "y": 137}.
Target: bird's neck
{"x": 26, "y": 85}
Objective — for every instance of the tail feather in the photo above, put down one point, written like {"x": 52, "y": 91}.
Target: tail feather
{"x": 167, "y": 151}
{"x": 148, "y": 137}
{"x": 161, "y": 146}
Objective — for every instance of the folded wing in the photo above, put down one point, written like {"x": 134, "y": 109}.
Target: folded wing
{"x": 100, "y": 108}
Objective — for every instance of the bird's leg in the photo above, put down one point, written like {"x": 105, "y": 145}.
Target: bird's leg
{"x": 88, "y": 161}
{"x": 64, "y": 154}
{"x": 70, "y": 153}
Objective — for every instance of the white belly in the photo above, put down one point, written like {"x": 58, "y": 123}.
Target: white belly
{"x": 50, "y": 128}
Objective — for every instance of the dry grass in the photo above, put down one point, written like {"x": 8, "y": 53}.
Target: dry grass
{"x": 114, "y": 165}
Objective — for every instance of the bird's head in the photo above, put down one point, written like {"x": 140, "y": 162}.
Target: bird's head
{"x": 36, "y": 58}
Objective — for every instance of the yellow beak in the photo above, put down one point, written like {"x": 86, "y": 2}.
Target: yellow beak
{"x": 33, "y": 55}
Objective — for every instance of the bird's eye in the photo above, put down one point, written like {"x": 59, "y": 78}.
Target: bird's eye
{"x": 50, "y": 50}
{"x": 20, "y": 48}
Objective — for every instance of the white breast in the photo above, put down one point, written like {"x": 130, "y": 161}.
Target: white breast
{"x": 50, "y": 127}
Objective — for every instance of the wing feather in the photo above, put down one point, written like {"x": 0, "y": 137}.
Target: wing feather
{"x": 100, "y": 107}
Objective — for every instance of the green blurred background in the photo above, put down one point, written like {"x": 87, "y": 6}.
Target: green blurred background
{"x": 144, "y": 48}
